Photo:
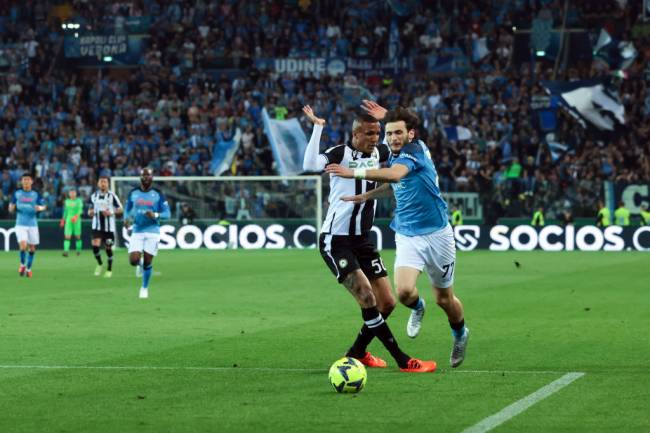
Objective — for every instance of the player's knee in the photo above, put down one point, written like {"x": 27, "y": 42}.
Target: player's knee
{"x": 387, "y": 307}
{"x": 443, "y": 300}
{"x": 134, "y": 260}
{"x": 405, "y": 294}
{"x": 366, "y": 298}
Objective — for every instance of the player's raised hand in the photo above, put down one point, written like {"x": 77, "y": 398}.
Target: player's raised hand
{"x": 356, "y": 199}
{"x": 339, "y": 170}
{"x": 310, "y": 114}
{"x": 374, "y": 109}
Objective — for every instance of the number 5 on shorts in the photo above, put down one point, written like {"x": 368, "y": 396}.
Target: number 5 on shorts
{"x": 449, "y": 270}
{"x": 378, "y": 265}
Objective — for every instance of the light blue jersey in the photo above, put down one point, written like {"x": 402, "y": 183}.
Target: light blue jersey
{"x": 139, "y": 203}
{"x": 420, "y": 206}
{"x": 26, "y": 202}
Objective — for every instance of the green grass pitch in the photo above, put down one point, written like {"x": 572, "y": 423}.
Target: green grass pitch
{"x": 241, "y": 341}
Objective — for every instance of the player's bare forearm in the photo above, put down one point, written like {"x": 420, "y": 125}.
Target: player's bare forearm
{"x": 12, "y": 208}
{"x": 392, "y": 174}
{"x": 383, "y": 190}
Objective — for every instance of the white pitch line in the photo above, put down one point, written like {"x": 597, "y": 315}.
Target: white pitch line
{"x": 148, "y": 367}
{"x": 519, "y": 406}
{"x": 199, "y": 368}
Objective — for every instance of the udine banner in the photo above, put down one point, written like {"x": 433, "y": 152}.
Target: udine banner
{"x": 296, "y": 234}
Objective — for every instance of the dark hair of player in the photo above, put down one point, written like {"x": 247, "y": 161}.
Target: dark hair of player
{"x": 362, "y": 118}
{"x": 26, "y": 174}
{"x": 400, "y": 113}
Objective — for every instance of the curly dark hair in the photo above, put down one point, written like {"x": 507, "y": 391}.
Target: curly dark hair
{"x": 411, "y": 119}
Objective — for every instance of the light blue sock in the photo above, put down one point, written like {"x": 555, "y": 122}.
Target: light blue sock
{"x": 146, "y": 275}
{"x": 458, "y": 333}
{"x": 22, "y": 257}
{"x": 30, "y": 259}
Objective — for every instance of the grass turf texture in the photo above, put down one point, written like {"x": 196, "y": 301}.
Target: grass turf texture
{"x": 260, "y": 314}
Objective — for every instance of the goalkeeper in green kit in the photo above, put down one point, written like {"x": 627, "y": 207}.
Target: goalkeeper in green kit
{"x": 71, "y": 222}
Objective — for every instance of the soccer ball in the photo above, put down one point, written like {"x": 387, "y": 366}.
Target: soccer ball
{"x": 348, "y": 375}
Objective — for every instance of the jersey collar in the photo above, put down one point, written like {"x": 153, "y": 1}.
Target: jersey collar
{"x": 356, "y": 152}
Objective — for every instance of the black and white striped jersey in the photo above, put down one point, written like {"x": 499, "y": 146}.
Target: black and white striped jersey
{"x": 100, "y": 201}
{"x": 347, "y": 218}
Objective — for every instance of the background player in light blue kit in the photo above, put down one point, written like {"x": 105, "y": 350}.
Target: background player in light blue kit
{"x": 144, "y": 209}
{"x": 26, "y": 203}
{"x": 423, "y": 237}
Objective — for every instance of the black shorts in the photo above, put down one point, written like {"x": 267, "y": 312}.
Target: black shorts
{"x": 346, "y": 254}
{"x": 107, "y": 237}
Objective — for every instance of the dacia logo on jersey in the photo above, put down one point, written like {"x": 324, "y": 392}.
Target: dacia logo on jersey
{"x": 362, "y": 164}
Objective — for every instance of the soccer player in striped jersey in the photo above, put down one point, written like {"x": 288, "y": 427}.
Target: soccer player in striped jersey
{"x": 423, "y": 237}
{"x": 345, "y": 243}
{"x": 145, "y": 207}
{"x": 26, "y": 203}
{"x": 103, "y": 207}
{"x": 71, "y": 222}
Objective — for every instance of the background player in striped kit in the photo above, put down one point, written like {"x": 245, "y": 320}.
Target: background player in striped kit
{"x": 104, "y": 205}
{"x": 145, "y": 207}
{"x": 345, "y": 243}
{"x": 26, "y": 203}
{"x": 71, "y": 222}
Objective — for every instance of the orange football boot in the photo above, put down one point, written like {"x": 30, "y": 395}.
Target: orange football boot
{"x": 419, "y": 366}
{"x": 372, "y": 361}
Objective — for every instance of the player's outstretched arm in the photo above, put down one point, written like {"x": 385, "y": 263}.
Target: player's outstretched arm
{"x": 373, "y": 109}
{"x": 309, "y": 112}
{"x": 383, "y": 190}
{"x": 392, "y": 174}
{"x": 312, "y": 160}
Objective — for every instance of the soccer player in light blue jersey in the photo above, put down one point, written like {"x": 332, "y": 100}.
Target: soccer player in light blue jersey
{"x": 423, "y": 237}
{"x": 26, "y": 203}
{"x": 145, "y": 207}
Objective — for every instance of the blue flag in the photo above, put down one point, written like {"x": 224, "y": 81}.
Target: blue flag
{"x": 457, "y": 133}
{"x": 223, "y": 152}
{"x": 592, "y": 102}
{"x": 288, "y": 143}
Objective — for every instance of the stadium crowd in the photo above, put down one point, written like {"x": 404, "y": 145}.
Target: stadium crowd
{"x": 70, "y": 126}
